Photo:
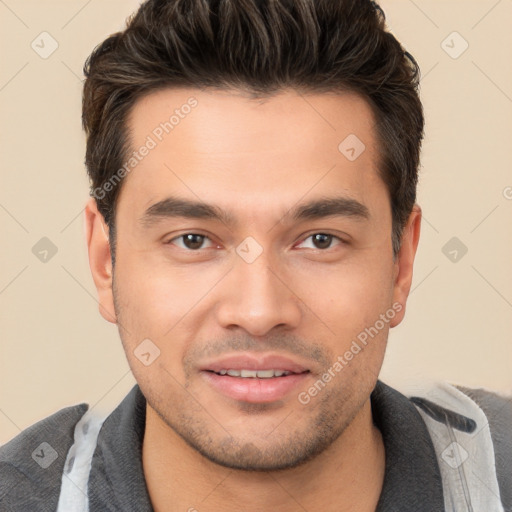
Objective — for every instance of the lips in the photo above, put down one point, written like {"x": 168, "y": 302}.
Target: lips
{"x": 252, "y": 362}
{"x": 254, "y": 374}
{"x": 255, "y": 379}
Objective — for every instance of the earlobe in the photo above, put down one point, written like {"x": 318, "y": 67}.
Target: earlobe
{"x": 100, "y": 262}
{"x": 405, "y": 261}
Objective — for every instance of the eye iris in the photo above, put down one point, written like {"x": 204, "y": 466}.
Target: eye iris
{"x": 193, "y": 241}
{"x": 322, "y": 241}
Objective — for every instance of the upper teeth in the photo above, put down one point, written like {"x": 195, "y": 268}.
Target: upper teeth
{"x": 261, "y": 374}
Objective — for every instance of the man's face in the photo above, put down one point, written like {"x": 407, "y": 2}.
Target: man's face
{"x": 265, "y": 285}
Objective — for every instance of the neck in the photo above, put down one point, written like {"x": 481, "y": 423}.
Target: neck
{"x": 346, "y": 476}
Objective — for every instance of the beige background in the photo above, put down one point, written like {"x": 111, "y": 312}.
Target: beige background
{"x": 56, "y": 350}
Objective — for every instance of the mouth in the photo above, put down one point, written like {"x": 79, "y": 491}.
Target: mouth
{"x": 254, "y": 379}
{"x": 255, "y": 374}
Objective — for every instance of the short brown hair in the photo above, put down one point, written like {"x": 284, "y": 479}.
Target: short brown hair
{"x": 263, "y": 47}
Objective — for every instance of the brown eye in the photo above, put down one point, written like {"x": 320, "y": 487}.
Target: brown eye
{"x": 321, "y": 241}
{"x": 192, "y": 241}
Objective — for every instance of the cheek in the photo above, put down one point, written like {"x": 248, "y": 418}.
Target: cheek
{"x": 350, "y": 300}
{"x": 350, "y": 292}
{"x": 150, "y": 285}
{"x": 160, "y": 301}
{"x": 150, "y": 306}
{"x": 146, "y": 298}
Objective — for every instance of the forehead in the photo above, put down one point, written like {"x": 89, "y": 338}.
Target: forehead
{"x": 212, "y": 114}
{"x": 201, "y": 142}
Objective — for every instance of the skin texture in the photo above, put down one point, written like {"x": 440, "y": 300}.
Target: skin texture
{"x": 299, "y": 298}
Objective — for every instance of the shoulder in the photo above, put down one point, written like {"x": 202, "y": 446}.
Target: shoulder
{"x": 497, "y": 407}
{"x": 470, "y": 428}
{"x": 32, "y": 463}
{"x": 498, "y": 411}
{"x": 440, "y": 398}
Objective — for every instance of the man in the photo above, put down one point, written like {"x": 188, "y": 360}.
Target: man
{"x": 252, "y": 231}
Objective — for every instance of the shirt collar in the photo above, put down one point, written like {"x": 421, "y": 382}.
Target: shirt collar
{"x": 412, "y": 478}
{"x": 117, "y": 480}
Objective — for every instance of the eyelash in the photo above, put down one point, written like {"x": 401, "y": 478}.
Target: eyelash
{"x": 205, "y": 237}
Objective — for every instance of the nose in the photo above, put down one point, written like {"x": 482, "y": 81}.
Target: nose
{"x": 258, "y": 298}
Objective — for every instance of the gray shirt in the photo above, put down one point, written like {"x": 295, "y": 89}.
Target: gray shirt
{"x": 116, "y": 483}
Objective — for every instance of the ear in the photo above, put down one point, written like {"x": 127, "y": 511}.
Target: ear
{"x": 100, "y": 262}
{"x": 404, "y": 263}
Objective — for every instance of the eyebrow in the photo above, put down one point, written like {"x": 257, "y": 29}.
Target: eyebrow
{"x": 317, "y": 209}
